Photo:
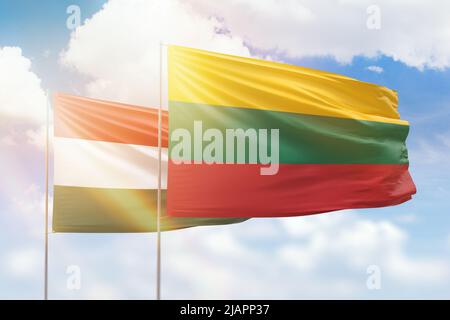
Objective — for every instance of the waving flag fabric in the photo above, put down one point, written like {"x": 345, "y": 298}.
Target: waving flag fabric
{"x": 106, "y": 168}
{"x": 339, "y": 143}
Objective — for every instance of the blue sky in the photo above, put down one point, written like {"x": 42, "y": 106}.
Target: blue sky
{"x": 415, "y": 235}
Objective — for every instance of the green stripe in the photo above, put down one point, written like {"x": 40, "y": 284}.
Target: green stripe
{"x": 304, "y": 139}
{"x": 78, "y": 209}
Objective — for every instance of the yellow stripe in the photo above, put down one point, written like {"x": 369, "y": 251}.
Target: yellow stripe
{"x": 198, "y": 76}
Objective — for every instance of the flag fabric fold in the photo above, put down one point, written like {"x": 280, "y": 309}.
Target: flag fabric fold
{"x": 340, "y": 142}
{"x": 106, "y": 168}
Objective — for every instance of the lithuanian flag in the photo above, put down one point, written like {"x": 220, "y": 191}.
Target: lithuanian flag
{"x": 106, "y": 168}
{"x": 313, "y": 141}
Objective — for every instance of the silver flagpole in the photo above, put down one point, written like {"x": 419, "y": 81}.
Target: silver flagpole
{"x": 46, "y": 198}
{"x": 158, "y": 217}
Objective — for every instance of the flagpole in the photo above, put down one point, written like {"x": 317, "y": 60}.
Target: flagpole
{"x": 158, "y": 217}
{"x": 46, "y": 198}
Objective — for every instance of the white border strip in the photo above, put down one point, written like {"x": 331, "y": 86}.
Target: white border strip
{"x": 98, "y": 164}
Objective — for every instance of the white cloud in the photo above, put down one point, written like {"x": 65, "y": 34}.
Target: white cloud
{"x": 119, "y": 47}
{"x": 111, "y": 266}
{"x": 319, "y": 256}
{"x": 339, "y": 29}
{"x": 326, "y": 259}
{"x": 431, "y": 271}
{"x": 22, "y": 263}
{"x": 31, "y": 201}
{"x": 7, "y": 140}
{"x": 327, "y": 254}
{"x": 23, "y": 106}
{"x": 359, "y": 242}
{"x": 38, "y": 136}
{"x": 376, "y": 69}
{"x": 27, "y": 210}
{"x": 47, "y": 53}
{"x": 21, "y": 95}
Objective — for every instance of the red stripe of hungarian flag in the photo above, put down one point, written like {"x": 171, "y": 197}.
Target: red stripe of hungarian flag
{"x": 340, "y": 144}
{"x": 106, "y": 168}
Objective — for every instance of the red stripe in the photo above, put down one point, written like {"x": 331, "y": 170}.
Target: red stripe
{"x": 234, "y": 190}
{"x": 84, "y": 118}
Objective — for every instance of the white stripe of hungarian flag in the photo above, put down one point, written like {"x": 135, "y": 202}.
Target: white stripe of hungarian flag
{"x": 106, "y": 168}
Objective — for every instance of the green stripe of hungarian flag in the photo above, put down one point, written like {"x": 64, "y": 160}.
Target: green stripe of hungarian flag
{"x": 106, "y": 168}
{"x": 253, "y": 138}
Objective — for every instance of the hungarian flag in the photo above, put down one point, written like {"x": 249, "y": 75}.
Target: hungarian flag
{"x": 106, "y": 168}
{"x": 253, "y": 138}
